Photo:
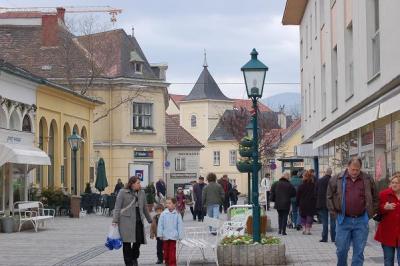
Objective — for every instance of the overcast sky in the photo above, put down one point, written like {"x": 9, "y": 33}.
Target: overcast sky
{"x": 177, "y": 32}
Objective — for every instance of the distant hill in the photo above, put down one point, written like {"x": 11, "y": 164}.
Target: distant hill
{"x": 291, "y": 100}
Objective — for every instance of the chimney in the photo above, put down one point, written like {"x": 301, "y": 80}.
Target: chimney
{"x": 61, "y": 13}
{"x": 49, "y": 30}
{"x": 133, "y": 31}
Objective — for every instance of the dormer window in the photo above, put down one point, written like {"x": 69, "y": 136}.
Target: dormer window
{"x": 138, "y": 67}
{"x": 137, "y": 62}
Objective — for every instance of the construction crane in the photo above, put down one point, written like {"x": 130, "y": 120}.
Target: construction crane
{"x": 113, "y": 12}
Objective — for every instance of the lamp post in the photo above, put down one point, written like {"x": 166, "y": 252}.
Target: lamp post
{"x": 254, "y": 76}
{"x": 75, "y": 142}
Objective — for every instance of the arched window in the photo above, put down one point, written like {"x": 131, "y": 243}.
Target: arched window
{"x": 26, "y": 124}
{"x": 3, "y": 118}
{"x": 193, "y": 121}
{"x": 15, "y": 122}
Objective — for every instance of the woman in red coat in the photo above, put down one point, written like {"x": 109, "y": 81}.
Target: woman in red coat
{"x": 388, "y": 232}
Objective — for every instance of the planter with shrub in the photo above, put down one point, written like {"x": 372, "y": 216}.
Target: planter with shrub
{"x": 246, "y": 142}
{"x": 245, "y": 151}
{"x": 246, "y": 166}
{"x": 150, "y": 191}
{"x": 240, "y": 250}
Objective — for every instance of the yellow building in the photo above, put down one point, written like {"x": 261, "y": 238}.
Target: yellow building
{"x": 59, "y": 112}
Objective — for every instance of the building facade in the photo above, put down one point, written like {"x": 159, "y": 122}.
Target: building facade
{"x": 129, "y": 129}
{"x": 350, "y": 81}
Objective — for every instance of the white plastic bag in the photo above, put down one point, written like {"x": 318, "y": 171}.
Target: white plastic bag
{"x": 114, "y": 240}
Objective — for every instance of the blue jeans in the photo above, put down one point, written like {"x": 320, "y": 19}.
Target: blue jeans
{"x": 325, "y": 217}
{"x": 352, "y": 231}
{"x": 296, "y": 220}
{"x": 388, "y": 255}
{"x": 213, "y": 212}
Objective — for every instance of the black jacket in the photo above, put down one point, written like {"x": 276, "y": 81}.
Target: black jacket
{"x": 306, "y": 199}
{"x": 320, "y": 192}
{"x": 281, "y": 192}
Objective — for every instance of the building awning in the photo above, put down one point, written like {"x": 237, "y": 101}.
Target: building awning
{"x": 389, "y": 106}
{"x": 364, "y": 118}
{"x": 306, "y": 150}
{"x": 336, "y": 133}
{"x": 21, "y": 154}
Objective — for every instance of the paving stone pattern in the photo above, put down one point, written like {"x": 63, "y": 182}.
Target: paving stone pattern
{"x": 80, "y": 242}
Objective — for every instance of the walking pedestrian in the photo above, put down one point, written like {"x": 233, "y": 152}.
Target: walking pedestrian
{"x": 320, "y": 192}
{"x": 281, "y": 193}
{"x": 153, "y": 233}
{"x": 296, "y": 180}
{"x": 180, "y": 201}
{"x": 118, "y": 186}
{"x": 198, "y": 199}
{"x": 352, "y": 197}
{"x": 227, "y": 186}
{"x": 213, "y": 196}
{"x": 170, "y": 229}
{"x": 190, "y": 199}
{"x": 129, "y": 213}
{"x": 266, "y": 188}
{"x": 388, "y": 233}
{"x": 233, "y": 195}
{"x": 161, "y": 189}
{"x": 305, "y": 199}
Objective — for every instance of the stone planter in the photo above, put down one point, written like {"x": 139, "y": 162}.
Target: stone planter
{"x": 7, "y": 224}
{"x": 251, "y": 255}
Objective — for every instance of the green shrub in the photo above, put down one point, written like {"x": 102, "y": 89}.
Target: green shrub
{"x": 248, "y": 240}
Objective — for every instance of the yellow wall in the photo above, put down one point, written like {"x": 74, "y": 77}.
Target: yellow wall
{"x": 114, "y": 140}
{"x": 172, "y": 108}
{"x": 59, "y": 108}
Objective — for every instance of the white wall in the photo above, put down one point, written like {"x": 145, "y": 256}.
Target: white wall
{"x": 364, "y": 86}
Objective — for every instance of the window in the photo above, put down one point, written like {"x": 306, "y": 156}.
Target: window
{"x": 315, "y": 19}
{"x": 349, "y": 62}
{"x": 306, "y": 41}
{"x": 217, "y": 158}
{"x": 373, "y": 37}
{"x": 193, "y": 121}
{"x": 142, "y": 116}
{"x": 305, "y": 104}
{"x": 334, "y": 80}
{"x": 232, "y": 157}
{"x": 26, "y": 124}
{"x": 322, "y": 12}
{"x": 323, "y": 91}
{"x": 180, "y": 164}
{"x": 311, "y": 31}
{"x": 138, "y": 67}
{"x": 314, "y": 92}
{"x": 301, "y": 52}
{"x": 309, "y": 100}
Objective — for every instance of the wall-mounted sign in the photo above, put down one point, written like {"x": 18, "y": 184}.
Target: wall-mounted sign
{"x": 183, "y": 175}
{"x": 143, "y": 154}
{"x": 141, "y": 171}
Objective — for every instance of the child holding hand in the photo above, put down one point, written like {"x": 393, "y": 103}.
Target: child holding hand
{"x": 153, "y": 233}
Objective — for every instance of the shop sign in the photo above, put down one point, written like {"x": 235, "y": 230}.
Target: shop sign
{"x": 143, "y": 154}
{"x": 19, "y": 138}
{"x": 183, "y": 175}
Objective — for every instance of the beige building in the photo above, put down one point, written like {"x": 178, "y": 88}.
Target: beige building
{"x": 129, "y": 129}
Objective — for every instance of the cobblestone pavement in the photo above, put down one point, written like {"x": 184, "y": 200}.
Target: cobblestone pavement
{"x": 81, "y": 242}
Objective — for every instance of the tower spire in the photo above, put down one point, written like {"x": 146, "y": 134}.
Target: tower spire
{"x": 205, "y": 59}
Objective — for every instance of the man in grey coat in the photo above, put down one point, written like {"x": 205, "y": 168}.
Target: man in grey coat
{"x": 129, "y": 214}
{"x": 213, "y": 196}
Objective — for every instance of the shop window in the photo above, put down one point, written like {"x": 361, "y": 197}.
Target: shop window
{"x": 142, "y": 116}
{"x": 383, "y": 160}
{"x": 353, "y": 143}
{"x": 342, "y": 152}
{"x": 367, "y": 149}
{"x": 2, "y": 189}
{"x": 367, "y": 135}
{"x": 396, "y": 142}
{"x": 26, "y": 124}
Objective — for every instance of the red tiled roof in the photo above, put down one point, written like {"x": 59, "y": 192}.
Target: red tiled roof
{"x": 21, "y": 14}
{"x": 177, "y": 136}
{"x": 247, "y": 104}
{"x": 287, "y": 132}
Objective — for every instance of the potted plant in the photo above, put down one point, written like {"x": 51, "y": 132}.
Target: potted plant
{"x": 245, "y": 151}
{"x": 7, "y": 222}
{"x": 241, "y": 250}
{"x": 246, "y": 142}
{"x": 150, "y": 191}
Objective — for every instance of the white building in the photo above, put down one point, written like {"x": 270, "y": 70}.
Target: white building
{"x": 350, "y": 77}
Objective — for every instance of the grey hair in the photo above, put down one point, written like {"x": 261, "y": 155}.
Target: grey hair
{"x": 328, "y": 171}
{"x": 353, "y": 160}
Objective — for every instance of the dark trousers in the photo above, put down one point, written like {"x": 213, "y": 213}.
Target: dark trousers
{"x": 388, "y": 255}
{"x": 159, "y": 249}
{"x": 199, "y": 214}
{"x": 193, "y": 212}
{"x": 268, "y": 199}
{"x": 131, "y": 253}
{"x": 282, "y": 220}
{"x": 225, "y": 205}
{"x": 325, "y": 217}
{"x": 169, "y": 248}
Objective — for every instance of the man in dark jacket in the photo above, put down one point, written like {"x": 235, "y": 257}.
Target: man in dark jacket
{"x": 227, "y": 186}
{"x": 352, "y": 198}
{"x": 281, "y": 193}
{"x": 161, "y": 188}
{"x": 198, "y": 199}
{"x": 118, "y": 186}
{"x": 320, "y": 192}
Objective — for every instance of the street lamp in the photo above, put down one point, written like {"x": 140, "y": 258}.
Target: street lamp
{"x": 254, "y": 76}
{"x": 75, "y": 142}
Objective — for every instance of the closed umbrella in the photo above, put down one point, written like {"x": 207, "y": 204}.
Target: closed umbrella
{"x": 101, "y": 179}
